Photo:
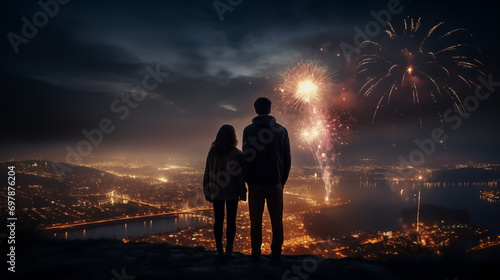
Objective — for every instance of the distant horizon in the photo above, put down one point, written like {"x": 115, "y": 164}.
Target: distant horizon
{"x": 200, "y": 163}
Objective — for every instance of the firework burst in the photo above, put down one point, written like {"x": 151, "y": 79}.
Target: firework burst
{"x": 327, "y": 129}
{"x": 304, "y": 85}
{"x": 304, "y": 91}
{"x": 418, "y": 66}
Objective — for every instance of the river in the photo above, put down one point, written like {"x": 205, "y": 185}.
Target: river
{"x": 377, "y": 207}
{"x": 132, "y": 228}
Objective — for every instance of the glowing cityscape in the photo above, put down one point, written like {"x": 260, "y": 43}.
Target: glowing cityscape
{"x": 114, "y": 193}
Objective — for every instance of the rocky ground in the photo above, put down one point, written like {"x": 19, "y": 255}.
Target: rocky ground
{"x": 108, "y": 259}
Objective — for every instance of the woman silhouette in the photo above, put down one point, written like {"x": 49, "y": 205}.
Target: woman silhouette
{"x": 224, "y": 185}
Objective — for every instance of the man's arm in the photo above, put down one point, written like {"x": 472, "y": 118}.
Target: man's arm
{"x": 287, "y": 159}
{"x": 245, "y": 150}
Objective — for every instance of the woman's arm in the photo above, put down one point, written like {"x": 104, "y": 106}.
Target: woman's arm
{"x": 206, "y": 179}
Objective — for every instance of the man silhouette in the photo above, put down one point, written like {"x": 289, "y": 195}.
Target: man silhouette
{"x": 266, "y": 148}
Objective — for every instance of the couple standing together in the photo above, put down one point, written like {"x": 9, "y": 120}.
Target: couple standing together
{"x": 264, "y": 165}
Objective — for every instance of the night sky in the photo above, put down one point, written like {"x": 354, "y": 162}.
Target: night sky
{"x": 82, "y": 63}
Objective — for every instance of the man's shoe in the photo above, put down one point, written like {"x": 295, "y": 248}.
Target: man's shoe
{"x": 229, "y": 250}
{"x": 256, "y": 257}
{"x": 275, "y": 256}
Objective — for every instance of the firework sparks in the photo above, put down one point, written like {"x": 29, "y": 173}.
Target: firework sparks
{"x": 307, "y": 91}
{"x": 326, "y": 133}
{"x": 304, "y": 85}
{"x": 328, "y": 129}
{"x": 414, "y": 65}
{"x": 321, "y": 128}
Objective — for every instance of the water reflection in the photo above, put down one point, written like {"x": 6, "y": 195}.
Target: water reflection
{"x": 378, "y": 204}
{"x": 123, "y": 230}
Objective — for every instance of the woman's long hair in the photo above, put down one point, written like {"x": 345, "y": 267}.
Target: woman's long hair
{"x": 224, "y": 141}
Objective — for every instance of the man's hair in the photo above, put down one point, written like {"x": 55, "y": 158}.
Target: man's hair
{"x": 262, "y": 106}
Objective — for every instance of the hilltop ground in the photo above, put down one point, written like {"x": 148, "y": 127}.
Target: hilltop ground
{"x": 115, "y": 260}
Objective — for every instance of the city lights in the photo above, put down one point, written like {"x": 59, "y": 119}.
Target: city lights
{"x": 123, "y": 198}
